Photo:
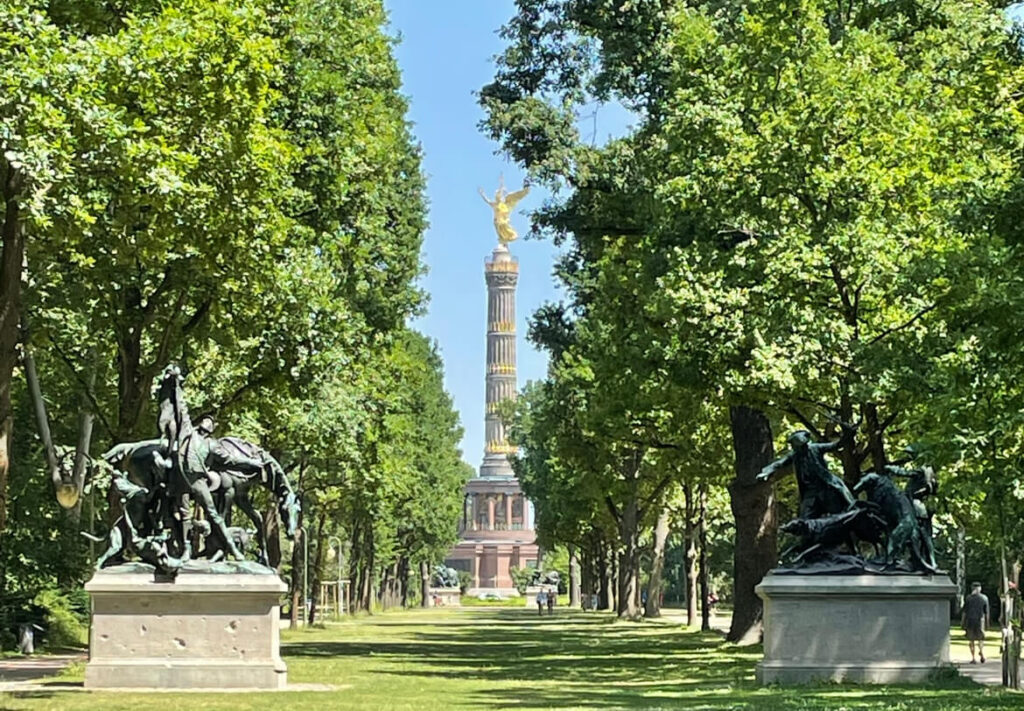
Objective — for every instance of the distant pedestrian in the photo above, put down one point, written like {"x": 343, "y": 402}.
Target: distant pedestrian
{"x": 540, "y": 602}
{"x": 975, "y": 619}
{"x": 550, "y": 599}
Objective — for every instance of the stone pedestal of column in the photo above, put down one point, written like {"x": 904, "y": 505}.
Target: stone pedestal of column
{"x": 216, "y": 626}
{"x": 863, "y": 628}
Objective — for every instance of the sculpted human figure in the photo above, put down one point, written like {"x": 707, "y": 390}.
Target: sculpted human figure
{"x": 502, "y": 205}
{"x": 202, "y": 458}
{"x": 921, "y": 483}
{"x": 821, "y": 492}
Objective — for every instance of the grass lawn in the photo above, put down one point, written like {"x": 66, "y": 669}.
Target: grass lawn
{"x": 504, "y": 658}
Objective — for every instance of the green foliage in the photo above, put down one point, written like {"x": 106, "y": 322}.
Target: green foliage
{"x": 234, "y": 186}
{"x": 465, "y": 581}
{"x": 520, "y": 578}
{"x": 816, "y": 213}
{"x": 67, "y": 618}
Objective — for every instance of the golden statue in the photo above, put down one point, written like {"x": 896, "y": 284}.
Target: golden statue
{"x": 502, "y": 205}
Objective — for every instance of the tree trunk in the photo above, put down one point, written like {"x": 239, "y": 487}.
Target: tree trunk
{"x": 272, "y": 526}
{"x": 702, "y": 527}
{"x": 690, "y": 569}
{"x": 12, "y": 260}
{"x": 297, "y": 561}
{"x": 875, "y": 436}
{"x": 316, "y": 569}
{"x": 574, "y": 577}
{"x": 609, "y": 579}
{"x": 424, "y": 584}
{"x": 403, "y": 582}
{"x": 653, "y": 606}
{"x": 586, "y": 573}
{"x": 961, "y": 571}
{"x": 629, "y": 560}
{"x": 753, "y": 509}
{"x": 369, "y": 566}
{"x": 849, "y": 455}
{"x": 603, "y": 590}
{"x": 383, "y": 592}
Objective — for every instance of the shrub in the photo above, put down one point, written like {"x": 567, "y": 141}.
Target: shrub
{"x": 66, "y": 617}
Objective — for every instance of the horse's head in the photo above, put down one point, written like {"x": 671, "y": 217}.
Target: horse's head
{"x": 288, "y": 508}
{"x": 169, "y": 384}
{"x": 171, "y": 374}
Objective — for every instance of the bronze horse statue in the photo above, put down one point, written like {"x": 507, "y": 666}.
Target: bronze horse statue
{"x": 158, "y": 480}
{"x": 235, "y": 487}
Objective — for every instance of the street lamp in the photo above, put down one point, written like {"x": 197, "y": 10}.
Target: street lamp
{"x": 337, "y": 549}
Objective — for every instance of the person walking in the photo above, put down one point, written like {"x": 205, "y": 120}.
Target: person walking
{"x": 540, "y": 602}
{"x": 974, "y": 620}
{"x": 550, "y": 599}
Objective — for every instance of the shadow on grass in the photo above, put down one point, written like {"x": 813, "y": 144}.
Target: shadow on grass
{"x": 592, "y": 661}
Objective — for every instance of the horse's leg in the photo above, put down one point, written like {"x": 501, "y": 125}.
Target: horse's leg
{"x": 202, "y": 492}
{"x": 245, "y": 504}
{"x": 229, "y": 492}
{"x": 115, "y": 544}
{"x": 186, "y": 515}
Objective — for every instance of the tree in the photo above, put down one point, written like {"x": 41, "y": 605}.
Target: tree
{"x": 789, "y": 212}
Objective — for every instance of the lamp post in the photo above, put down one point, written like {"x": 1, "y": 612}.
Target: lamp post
{"x": 337, "y": 552}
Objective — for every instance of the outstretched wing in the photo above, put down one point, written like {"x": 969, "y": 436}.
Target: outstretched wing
{"x": 512, "y": 198}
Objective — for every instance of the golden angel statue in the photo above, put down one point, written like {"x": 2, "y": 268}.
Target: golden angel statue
{"x": 502, "y": 205}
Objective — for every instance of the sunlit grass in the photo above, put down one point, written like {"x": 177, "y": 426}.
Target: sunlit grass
{"x": 493, "y": 658}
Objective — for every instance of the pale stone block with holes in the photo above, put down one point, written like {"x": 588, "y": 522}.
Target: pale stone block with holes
{"x": 204, "y": 630}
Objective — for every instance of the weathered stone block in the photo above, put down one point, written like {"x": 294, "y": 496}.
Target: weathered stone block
{"x": 861, "y": 628}
{"x": 445, "y": 597}
{"x": 204, "y": 630}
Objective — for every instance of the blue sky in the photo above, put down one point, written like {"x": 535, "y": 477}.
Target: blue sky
{"x": 445, "y": 55}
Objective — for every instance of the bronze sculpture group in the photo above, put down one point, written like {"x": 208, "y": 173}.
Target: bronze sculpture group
{"x": 833, "y": 524}
{"x": 177, "y": 492}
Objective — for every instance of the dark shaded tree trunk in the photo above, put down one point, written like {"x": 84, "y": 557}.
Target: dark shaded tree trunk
{"x": 848, "y": 455}
{"x": 607, "y": 578}
{"x": 403, "y": 581}
{"x": 574, "y": 577}
{"x": 690, "y": 556}
{"x": 875, "y": 436}
{"x": 316, "y": 569}
{"x": 961, "y": 571}
{"x": 653, "y": 606}
{"x": 272, "y": 525}
{"x": 629, "y": 561}
{"x": 586, "y": 573}
{"x": 369, "y": 564}
{"x": 702, "y": 528}
{"x": 12, "y": 259}
{"x": 297, "y": 574}
{"x": 753, "y": 509}
{"x": 424, "y": 584}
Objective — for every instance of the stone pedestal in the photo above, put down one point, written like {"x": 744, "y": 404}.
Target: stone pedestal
{"x": 213, "y": 627}
{"x": 861, "y": 628}
{"x": 445, "y": 597}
